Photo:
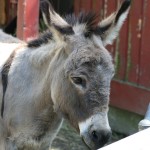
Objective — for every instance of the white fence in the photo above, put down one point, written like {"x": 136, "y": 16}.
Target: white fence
{"x": 138, "y": 141}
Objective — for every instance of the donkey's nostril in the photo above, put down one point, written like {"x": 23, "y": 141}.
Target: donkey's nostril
{"x": 95, "y": 136}
{"x": 100, "y": 138}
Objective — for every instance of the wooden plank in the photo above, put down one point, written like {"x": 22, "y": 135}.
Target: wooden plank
{"x": 121, "y": 50}
{"x": 81, "y": 5}
{"x": 144, "y": 76}
{"x": 20, "y": 20}
{"x": 110, "y": 7}
{"x": 2, "y": 12}
{"x": 129, "y": 97}
{"x": 77, "y": 6}
{"x": 32, "y": 21}
{"x": 134, "y": 41}
{"x": 28, "y": 16}
{"x": 11, "y": 10}
{"x": 85, "y": 5}
{"x": 98, "y": 7}
{"x": 138, "y": 141}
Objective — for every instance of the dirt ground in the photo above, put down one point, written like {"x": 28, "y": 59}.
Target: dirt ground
{"x": 69, "y": 139}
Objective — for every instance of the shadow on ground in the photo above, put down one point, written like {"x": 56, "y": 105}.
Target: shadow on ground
{"x": 69, "y": 139}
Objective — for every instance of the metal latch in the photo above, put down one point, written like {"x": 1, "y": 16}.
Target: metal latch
{"x": 145, "y": 123}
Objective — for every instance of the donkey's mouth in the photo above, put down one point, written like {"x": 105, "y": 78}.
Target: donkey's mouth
{"x": 92, "y": 145}
{"x": 87, "y": 145}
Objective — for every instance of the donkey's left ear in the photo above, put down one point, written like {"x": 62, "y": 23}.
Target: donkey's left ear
{"x": 109, "y": 28}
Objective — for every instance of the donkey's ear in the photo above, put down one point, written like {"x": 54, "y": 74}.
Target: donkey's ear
{"x": 53, "y": 20}
{"x": 109, "y": 28}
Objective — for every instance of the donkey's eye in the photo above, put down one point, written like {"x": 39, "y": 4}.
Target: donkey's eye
{"x": 77, "y": 80}
{"x": 80, "y": 81}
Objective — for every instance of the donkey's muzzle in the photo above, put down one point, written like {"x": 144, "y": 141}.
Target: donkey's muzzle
{"x": 97, "y": 139}
{"x": 100, "y": 138}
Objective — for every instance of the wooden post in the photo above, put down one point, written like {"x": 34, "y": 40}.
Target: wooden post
{"x": 2, "y": 12}
{"x": 28, "y": 19}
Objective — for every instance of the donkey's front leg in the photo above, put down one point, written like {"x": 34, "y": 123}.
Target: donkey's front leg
{"x": 10, "y": 145}
{"x": 5, "y": 143}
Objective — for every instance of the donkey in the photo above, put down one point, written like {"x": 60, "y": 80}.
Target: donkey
{"x": 65, "y": 73}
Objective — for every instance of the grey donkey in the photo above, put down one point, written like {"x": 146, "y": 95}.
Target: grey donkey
{"x": 65, "y": 73}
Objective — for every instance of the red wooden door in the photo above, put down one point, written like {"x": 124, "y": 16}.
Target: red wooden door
{"x": 27, "y": 12}
{"x": 131, "y": 53}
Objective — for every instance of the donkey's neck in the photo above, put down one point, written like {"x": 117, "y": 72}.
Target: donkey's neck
{"x": 43, "y": 54}
{"x": 48, "y": 60}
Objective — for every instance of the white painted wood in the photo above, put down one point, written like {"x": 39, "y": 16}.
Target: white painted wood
{"x": 138, "y": 141}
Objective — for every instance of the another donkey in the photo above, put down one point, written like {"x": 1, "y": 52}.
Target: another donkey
{"x": 66, "y": 73}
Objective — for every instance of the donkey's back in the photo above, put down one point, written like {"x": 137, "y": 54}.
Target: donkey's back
{"x": 8, "y": 44}
{"x": 6, "y": 38}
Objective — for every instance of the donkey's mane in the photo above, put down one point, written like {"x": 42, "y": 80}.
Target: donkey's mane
{"x": 43, "y": 39}
{"x": 88, "y": 18}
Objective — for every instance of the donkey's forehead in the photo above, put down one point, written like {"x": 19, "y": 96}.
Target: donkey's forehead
{"x": 86, "y": 55}
{"x": 86, "y": 51}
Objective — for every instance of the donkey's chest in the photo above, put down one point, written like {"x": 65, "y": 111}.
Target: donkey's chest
{"x": 37, "y": 137}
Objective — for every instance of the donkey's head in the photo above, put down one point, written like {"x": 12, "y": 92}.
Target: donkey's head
{"x": 82, "y": 88}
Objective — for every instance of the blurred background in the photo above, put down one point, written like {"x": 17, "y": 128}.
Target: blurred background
{"x": 130, "y": 91}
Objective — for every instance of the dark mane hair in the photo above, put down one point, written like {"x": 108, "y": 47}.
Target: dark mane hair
{"x": 87, "y": 18}
{"x": 43, "y": 39}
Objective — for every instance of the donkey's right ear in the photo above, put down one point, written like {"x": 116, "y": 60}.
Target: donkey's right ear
{"x": 53, "y": 20}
